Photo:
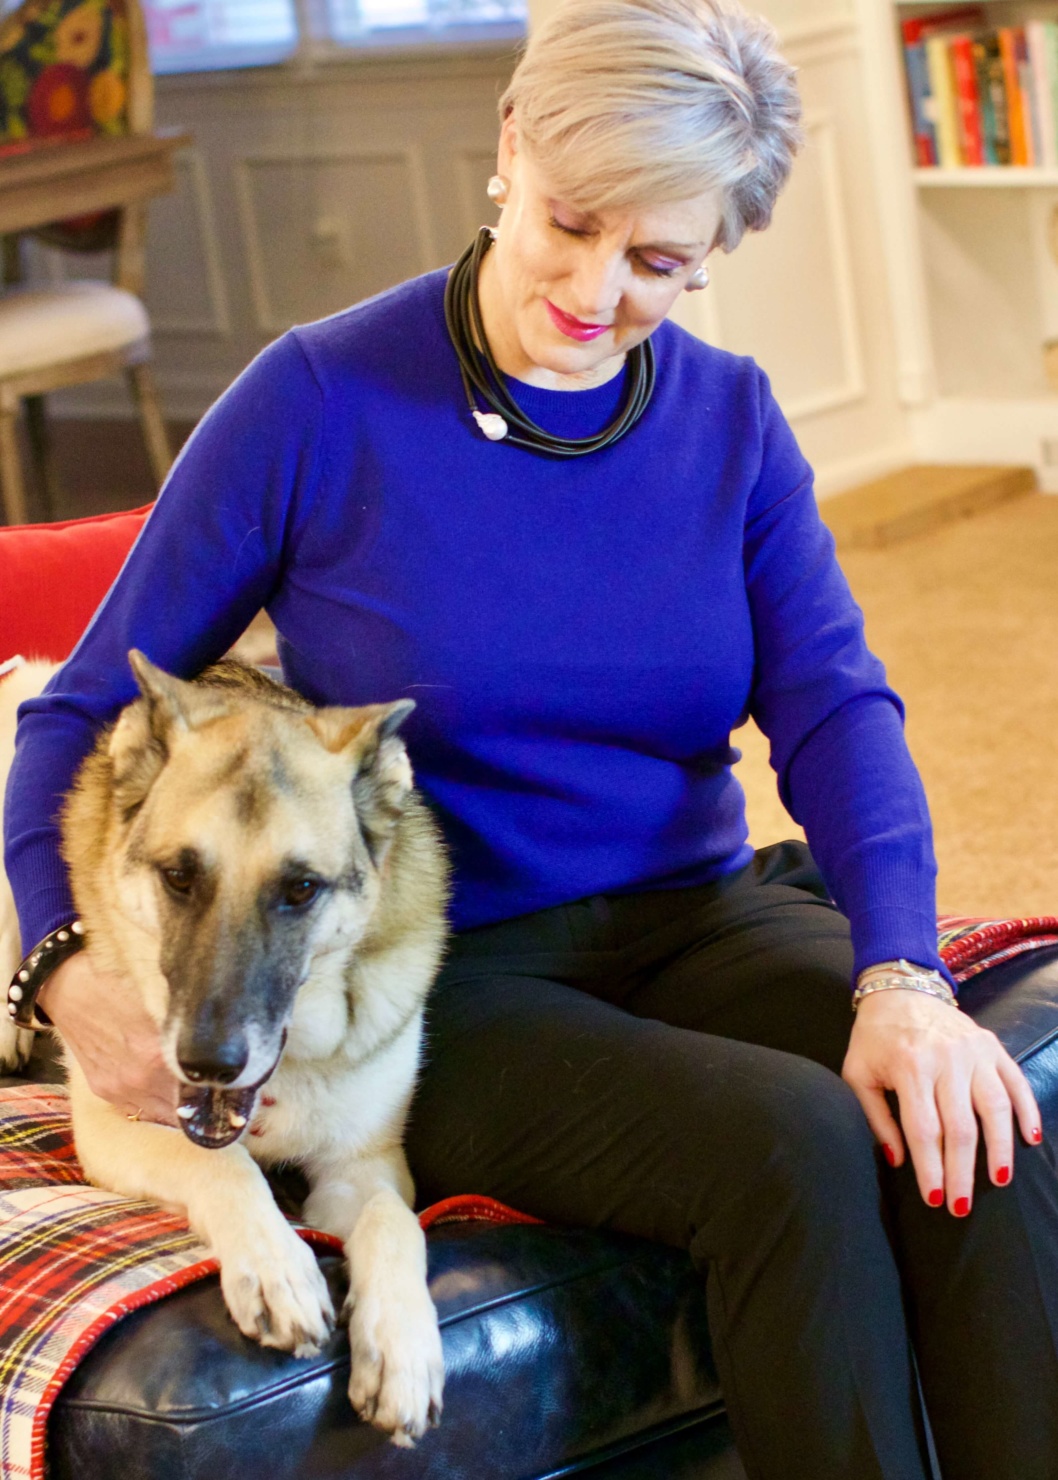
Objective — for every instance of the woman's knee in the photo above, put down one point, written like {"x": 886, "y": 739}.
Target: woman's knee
{"x": 807, "y": 1163}
{"x": 809, "y": 1124}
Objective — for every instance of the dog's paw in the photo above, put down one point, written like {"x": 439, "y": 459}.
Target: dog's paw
{"x": 397, "y": 1376}
{"x": 276, "y": 1293}
{"x": 16, "y": 1045}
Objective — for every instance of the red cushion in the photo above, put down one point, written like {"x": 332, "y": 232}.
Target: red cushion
{"x": 53, "y": 576}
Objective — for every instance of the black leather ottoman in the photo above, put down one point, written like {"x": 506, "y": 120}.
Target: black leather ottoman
{"x": 561, "y": 1347}
{"x": 566, "y": 1351}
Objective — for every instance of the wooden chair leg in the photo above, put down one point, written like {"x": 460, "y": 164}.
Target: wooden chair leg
{"x": 141, "y": 383}
{"x": 40, "y": 443}
{"x": 11, "y": 485}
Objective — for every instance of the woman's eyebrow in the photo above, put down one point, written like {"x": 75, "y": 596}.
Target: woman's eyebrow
{"x": 591, "y": 218}
{"x": 670, "y": 246}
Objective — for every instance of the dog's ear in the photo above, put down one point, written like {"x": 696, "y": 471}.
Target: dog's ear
{"x": 168, "y": 698}
{"x": 139, "y": 743}
{"x": 382, "y": 778}
{"x": 174, "y": 703}
{"x": 355, "y": 730}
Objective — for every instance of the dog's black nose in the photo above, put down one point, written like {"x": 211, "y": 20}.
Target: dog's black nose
{"x": 221, "y": 1063}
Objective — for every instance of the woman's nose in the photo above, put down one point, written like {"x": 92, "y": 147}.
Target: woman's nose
{"x": 598, "y": 284}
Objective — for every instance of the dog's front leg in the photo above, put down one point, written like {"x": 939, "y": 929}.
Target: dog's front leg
{"x": 397, "y": 1375}
{"x": 272, "y": 1285}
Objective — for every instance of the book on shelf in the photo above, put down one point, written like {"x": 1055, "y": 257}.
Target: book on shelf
{"x": 971, "y": 147}
{"x": 1043, "y": 54}
{"x": 981, "y": 95}
{"x": 992, "y": 97}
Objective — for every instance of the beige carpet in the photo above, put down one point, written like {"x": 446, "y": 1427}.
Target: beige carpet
{"x": 966, "y": 620}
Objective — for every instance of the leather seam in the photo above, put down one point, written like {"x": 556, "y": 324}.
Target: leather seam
{"x": 645, "y": 1439}
{"x": 1036, "y": 1046}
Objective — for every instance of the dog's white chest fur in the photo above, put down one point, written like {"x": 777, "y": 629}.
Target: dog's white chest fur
{"x": 309, "y": 1109}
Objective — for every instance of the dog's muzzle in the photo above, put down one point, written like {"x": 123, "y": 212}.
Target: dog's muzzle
{"x": 213, "y": 1116}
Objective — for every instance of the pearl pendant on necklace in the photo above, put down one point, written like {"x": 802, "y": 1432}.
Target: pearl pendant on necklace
{"x": 492, "y": 425}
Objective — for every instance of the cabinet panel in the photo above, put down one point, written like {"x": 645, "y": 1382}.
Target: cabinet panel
{"x": 985, "y": 304}
{"x": 186, "y": 292}
{"x": 808, "y": 338}
{"x": 321, "y": 231}
{"x": 473, "y": 169}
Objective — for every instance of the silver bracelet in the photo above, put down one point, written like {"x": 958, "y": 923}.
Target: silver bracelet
{"x": 890, "y": 976}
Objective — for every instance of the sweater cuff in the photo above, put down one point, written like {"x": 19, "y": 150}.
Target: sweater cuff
{"x": 44, "y": 899}
{"x": 892, "y": 917}
{"x": 895, "y": 935}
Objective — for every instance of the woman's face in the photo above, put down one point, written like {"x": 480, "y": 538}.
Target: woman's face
{"x": 565, "y": 295}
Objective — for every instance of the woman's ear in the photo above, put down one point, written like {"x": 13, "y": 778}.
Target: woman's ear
{"x": 508, "y": 146}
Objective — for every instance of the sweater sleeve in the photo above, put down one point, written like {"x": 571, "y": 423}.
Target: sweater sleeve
{"x": 834, "y": 724}
{"x": 207, "y": 559}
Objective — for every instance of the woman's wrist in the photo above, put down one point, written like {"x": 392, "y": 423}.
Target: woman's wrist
{"x": 890, "y": 976}
{"x": 24, "y": 1006}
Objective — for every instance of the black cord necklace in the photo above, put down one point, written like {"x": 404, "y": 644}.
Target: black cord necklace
{"x": 504, "y": 420}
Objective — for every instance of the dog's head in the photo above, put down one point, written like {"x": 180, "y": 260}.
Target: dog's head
{"x": 254, "y": 834}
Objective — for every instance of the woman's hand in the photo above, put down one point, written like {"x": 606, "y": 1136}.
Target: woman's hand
{"x": 117, "y": 1044}
{"x": 947, "y": 1074}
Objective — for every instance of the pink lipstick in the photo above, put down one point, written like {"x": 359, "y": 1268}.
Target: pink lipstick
{"x": 574, "y": 328}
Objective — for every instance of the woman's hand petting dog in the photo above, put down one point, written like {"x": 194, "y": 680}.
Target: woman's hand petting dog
{"x": 116, "y": 1042}
{"x": 948, "y": 1074}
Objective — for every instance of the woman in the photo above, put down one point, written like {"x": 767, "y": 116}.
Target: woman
{"x": 588, "y": 565}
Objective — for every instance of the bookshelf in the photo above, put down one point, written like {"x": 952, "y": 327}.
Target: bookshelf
{"x": 973, "y": 276}
{"x": 988, "y": 177}
{"x": 981, "y": 81}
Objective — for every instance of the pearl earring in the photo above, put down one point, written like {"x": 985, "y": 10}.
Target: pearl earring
{"x": 497, "y": 189}
{"x": 698, "y": 279}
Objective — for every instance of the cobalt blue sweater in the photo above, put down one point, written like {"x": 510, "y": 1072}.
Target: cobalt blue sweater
{"x": 581, "y": 637}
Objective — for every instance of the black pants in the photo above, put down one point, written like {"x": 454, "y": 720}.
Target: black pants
{"x": 667, "y": 1064}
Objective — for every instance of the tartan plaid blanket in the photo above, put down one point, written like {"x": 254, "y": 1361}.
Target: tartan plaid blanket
{"x": 74, "y": 1260}
{"x": 969, "y": 946}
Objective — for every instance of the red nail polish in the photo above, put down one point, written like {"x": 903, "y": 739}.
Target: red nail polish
{"x": 1003, "y": 1176}
{"x": 962, "y": 1207}
{"x": 1037, "y": 1135}
{"x": 890, "y": 1155}
{"x": 936, "y": 1197}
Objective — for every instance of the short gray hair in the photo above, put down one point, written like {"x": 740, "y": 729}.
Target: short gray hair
{"x": 636, "y": 102}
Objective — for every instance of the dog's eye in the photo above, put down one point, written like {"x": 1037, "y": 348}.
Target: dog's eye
{"x": 179, "y": 880}
{"x": 298, "y": 894}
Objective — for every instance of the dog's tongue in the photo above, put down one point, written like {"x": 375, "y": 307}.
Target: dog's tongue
{"x": 215, "y": 1117}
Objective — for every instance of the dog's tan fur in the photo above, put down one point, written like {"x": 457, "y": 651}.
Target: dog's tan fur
{"x": 243, "y": 776}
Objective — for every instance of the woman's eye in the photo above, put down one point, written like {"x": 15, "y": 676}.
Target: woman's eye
{"x": 179, "y": 880}
{"x": 300, "y": 893}
{"x": 569, "y": 230}
{"x": 660, "y": 269}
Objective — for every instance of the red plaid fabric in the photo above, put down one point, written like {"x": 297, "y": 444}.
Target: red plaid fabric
{"x": 74, "y": 1260}
{"x": 969, "y": 946}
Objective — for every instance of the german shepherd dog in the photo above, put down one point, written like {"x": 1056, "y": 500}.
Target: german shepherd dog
{"x": 266, "y": 876}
